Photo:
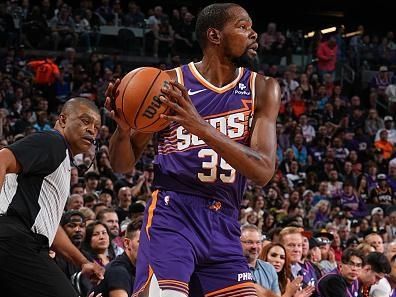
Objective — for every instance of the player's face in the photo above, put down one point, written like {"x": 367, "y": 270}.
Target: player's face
{"x": 239, "y": 37}
{"x": 81, "y": 128}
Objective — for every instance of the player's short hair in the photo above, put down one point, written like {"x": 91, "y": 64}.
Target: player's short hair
{"x": 212, "y": 16}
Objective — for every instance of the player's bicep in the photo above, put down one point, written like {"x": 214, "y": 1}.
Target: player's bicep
{"x": 8, "y": 162}
{"x": 267, "y": 102}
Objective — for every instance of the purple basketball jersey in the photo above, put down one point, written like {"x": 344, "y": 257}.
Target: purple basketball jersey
{"x": 184, "y": 162}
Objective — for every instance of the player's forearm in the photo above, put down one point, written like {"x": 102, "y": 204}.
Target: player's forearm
{"x": 66, "y": 248}
{"x": 122, "y": 157}
{"x": 258, "y": 167}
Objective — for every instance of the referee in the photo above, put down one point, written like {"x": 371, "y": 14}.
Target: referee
{"x": 35, "y": 183}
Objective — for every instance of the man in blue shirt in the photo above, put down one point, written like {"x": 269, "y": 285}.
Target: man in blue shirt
{"x": 263, "y": 274}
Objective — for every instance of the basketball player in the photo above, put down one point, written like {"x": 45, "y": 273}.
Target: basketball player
{"x": 35, "y": 177}
{"x": 222, "y": 132}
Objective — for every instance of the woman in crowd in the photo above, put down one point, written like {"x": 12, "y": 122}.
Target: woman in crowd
{"x": 96, "y": 243}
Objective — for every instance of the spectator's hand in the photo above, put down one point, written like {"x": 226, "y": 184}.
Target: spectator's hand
{"x": 93, "y": 271}
{"x": 293, "y": 286}
{"x": 306, "y": 292}
{"x": 331, "y": 255}
{"x": 111, "y": 95}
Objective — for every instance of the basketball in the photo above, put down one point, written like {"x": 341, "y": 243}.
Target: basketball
{"x": 137, "y": 99}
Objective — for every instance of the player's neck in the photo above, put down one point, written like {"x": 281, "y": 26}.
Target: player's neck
{"x": 217, "y": 73}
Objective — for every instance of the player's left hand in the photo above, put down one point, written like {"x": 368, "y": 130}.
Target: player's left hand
{"x": 184, "y": 111}
{"x": 93, "y": 271}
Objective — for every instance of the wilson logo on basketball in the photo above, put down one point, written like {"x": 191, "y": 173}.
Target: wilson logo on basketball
{"x": 152, "y": 109}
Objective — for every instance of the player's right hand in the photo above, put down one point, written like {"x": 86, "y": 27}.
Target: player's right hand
{"x": 110, "y": 105}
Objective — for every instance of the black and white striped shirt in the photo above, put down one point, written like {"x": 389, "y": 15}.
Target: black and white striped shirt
{"x": 38, "y": 194}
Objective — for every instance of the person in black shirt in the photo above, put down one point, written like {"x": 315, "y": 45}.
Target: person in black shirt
{"x": 343, "y": 283}
{"x": 120, "y": 273}
{"x": 35, "y": 177}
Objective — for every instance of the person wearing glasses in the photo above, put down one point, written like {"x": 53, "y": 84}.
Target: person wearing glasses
{"x": 343, "y": 283}
{"x": 264, "y": 274}
{"x": 355, "y": 276}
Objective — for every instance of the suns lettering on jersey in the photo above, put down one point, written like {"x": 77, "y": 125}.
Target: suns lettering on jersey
{"x": 231, "y": 125}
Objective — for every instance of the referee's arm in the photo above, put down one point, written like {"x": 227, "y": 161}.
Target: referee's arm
{"x": 8, "y": 164}
{"x": 67, "y": 249}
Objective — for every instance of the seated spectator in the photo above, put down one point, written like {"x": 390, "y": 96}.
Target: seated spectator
{"x": 120, "y": 274}
{"x": 356, "y": 274}
{"x": 388, "y": 122}
{"x": 134, "y": 17}
{"x": 275, "y": 254}
{"x": 96, "y": 243}
{"x": 63, "y": 28}
{"x": 264, "y": 274}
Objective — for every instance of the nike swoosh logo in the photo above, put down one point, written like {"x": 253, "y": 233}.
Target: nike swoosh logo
{"x": 190, "y": 93}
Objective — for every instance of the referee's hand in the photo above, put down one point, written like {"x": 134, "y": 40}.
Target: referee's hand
{"x": 93, "y": 271}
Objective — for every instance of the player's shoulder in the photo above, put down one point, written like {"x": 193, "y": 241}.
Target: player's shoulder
{"x": 267, "y": 81}
{"x": 267, "y": 90}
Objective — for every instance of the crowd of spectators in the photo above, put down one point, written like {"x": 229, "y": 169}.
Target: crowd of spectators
{"x": 336, "y": 154}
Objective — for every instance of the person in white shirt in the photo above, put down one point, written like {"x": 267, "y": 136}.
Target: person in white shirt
{"x": 388, "y": 120}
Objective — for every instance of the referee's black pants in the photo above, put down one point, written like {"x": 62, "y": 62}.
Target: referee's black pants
{"x": 25, "y": 266}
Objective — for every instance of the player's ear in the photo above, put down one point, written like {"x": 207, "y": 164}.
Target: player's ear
{"x": 213, "y": 36}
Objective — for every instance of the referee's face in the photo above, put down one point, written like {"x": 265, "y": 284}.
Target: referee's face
{"x": 81, "y": 128}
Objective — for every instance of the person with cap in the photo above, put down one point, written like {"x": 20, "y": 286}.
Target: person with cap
{"x": 74, "y": 224}
{"x": 382, "y": 194}
{"x": 352, "y": 242}
{"x": 328, "y": 262}
{"x": 380, "y": 81}
{"x": 310, "y": 272}
{"x": 388, "y": 122}
{"x": 120, "y": 274}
